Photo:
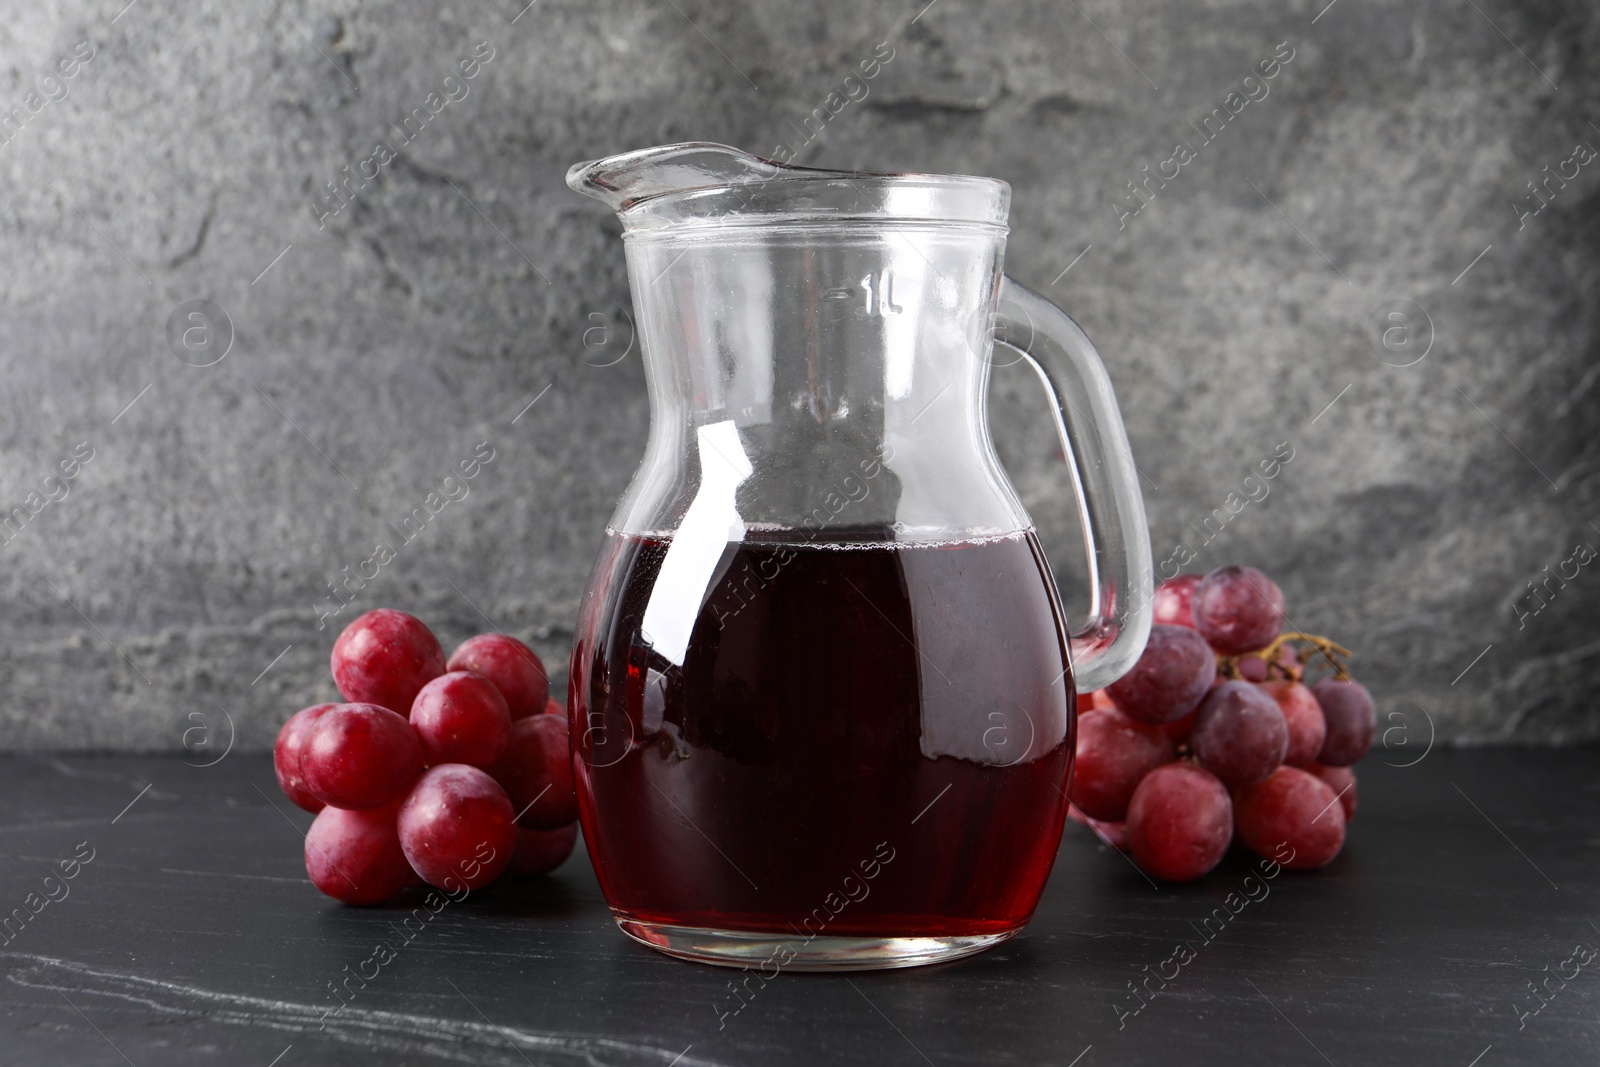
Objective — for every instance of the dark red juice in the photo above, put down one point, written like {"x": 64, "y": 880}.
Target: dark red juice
{"x": 845, "y": 738}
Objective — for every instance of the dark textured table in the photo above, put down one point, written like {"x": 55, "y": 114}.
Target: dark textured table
{"x": 192, "y": 936}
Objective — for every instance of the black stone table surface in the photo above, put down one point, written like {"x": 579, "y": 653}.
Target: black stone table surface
{"x": 1457, "y": 928}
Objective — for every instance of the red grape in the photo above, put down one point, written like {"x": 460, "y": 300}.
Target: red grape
{"x": 360, "y": 756}
{"x": 1303, "y": 715}
{"x": 1180, "y": 822}
{"x": 1256, "y": 669}
{"x": 461, "y": 718}
{"x": 536, "y": 772}
{"x": 1171, "y": 676}
{"x": 456, "y": 827}
{"x": 513, "y": 668}
{"x": 542, "y": 851}
{"x": 1173, "y": 604}
{"x": 1342, "y": 780}
{"x": 286, "y": 756}
{"x": 1114, "y": 755}
{"x": 1295, "y": 808}
{"x": 552, "y": 706}
{"x": 1238, "y": 609}
{"x": 1352, "y": 720}
{"x": 1239, "y": 734}
{"x": 384, "y": 658}
{"x": 355, "y": 856}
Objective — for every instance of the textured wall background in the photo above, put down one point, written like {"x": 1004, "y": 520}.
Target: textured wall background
{"x": 182, "y": 575}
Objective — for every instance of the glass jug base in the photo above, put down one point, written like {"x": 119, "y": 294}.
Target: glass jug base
{"x": 752, "y": 949}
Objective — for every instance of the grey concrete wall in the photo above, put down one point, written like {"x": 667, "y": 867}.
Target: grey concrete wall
{"x": 371, "y": 352}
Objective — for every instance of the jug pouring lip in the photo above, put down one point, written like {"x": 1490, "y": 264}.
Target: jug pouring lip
{"x": 702, "y": 183}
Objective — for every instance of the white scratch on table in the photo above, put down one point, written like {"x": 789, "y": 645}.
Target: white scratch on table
{"x": 424, "y": 1036}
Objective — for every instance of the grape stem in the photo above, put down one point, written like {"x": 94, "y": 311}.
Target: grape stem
{"x": 1326, "y": 647}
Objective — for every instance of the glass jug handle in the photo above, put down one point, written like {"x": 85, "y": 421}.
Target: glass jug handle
{"x": 1110, "y": 505}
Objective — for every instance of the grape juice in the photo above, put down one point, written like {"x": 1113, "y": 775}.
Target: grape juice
{"x": 834, "y": 737}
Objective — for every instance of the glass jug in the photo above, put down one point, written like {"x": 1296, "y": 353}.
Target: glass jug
{"x": 822, "y": 690}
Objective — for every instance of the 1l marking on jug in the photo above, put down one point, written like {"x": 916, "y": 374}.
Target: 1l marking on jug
{"x": 879, "y": 287}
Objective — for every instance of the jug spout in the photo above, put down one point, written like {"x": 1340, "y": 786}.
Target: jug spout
{"x": 624, "y": 180}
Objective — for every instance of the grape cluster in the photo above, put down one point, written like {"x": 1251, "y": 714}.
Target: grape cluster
{"x": 1214, "y": 735}
{"x": 473, "y": 780}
